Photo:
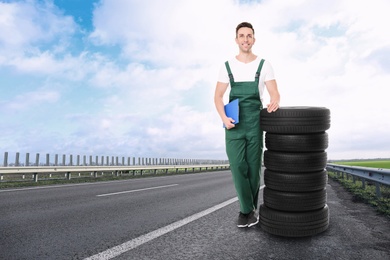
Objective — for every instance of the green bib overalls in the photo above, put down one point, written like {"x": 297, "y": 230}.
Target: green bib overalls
{"x": 244, "y": 142}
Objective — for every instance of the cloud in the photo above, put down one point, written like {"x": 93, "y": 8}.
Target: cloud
{"x": 169, "y": 33}
{"x": 37, "y": 38}
{"x": 32, "y": 22}
{"x": 29, "y": 100}
{"x": 380, "y": 58}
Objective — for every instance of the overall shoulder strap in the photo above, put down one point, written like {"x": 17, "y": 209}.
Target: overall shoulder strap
{"x": 259, "y": 69}
{"x": 229, "y": 72}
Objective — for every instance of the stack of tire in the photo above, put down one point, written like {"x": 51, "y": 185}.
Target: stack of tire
{"x": 295, "y": 176}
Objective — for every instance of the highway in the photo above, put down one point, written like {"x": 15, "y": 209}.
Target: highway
{"x": 191, "y": 216}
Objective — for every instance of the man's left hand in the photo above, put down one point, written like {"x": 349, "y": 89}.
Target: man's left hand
{"x": 272, "y": 107}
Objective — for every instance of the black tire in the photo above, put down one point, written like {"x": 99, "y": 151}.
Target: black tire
{"x": 296, "y": 143}
{"x": 295, "y": 182}
{"x": 295, "y": 162}
{"x": 294, "y": 201}
{"x": 295, "y": 120}
{"x": 289, "y": 224}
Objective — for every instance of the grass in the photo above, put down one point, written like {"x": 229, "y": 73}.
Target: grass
{"x": 367, "y": 195}
{"x": 373, "y": 164}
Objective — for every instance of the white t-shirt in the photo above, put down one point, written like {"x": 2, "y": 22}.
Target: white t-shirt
{"x": 246, "y": 72}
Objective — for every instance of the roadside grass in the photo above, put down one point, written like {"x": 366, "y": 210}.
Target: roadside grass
{"x": 373, "y": 164}
{"x": 367, "y": 195}
{"x": 59, "y": 179}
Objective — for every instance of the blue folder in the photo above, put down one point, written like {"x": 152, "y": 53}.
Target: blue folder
{"x": 231, "y": 110}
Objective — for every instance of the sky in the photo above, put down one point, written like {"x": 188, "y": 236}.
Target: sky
{"x": 137, "y": 77}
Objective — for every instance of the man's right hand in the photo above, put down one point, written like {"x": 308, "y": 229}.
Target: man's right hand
{"x": 229, "y": 123}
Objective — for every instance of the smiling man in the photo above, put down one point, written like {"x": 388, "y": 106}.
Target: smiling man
{"x": 247, "y": 75}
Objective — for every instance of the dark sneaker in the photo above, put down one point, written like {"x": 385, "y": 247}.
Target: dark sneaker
{"x": 253, "y": 218}
{"x": 242, "y": 220}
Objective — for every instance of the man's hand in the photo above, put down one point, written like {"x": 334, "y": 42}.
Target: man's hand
{"x": 274, "y": 94}
{"x": 229, "y": 123}
{"x": 273, "y": 106}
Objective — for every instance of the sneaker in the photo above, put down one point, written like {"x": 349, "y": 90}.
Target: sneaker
{"x": 242, "y": 220}
{"x": 253, "y": 218}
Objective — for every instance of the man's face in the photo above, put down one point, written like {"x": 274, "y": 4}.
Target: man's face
{"x": 245, "y": 39}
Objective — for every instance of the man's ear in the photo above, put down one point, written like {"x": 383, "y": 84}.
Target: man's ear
{"x": 236, "y": 40}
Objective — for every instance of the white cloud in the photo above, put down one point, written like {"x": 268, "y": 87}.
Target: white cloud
{"x": 25, "y": 23}
{"x": 169, "y": 33}
{"x": 29, "y": 100}
{"x": 35, "y": 37}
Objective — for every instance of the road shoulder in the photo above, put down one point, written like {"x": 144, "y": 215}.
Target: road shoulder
{"x": 356, "y": 231}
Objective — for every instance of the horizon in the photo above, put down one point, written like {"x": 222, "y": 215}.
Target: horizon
{"x": 42, "y": 159}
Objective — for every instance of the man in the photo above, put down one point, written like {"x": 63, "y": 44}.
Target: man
{"x": 247, "y": 75}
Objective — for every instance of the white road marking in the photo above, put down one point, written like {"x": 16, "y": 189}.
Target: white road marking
{"x": 129, "y": 245}
{"x": 130, "y": 191}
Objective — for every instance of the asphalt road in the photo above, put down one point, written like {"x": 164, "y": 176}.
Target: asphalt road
{"x": 80, "y": 221}
{"x": 72, "y": 221}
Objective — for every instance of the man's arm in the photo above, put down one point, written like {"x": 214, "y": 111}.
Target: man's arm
{"x": 218, "y": 100}
{"x": 273, "y": 92}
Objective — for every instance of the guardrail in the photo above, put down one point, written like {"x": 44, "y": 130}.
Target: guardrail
{"x": 70, "y": 160}
{"x": 94, "y": 170}
{"x": 378, "y": 176}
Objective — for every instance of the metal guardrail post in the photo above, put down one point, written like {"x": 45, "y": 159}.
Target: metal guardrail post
{"x": 27, "y": 160}
{"x": 37, "y": 160}
{"x": 17, "y": 160}
{"x": 378, "y": 189}
{"x": 5, "y": 159}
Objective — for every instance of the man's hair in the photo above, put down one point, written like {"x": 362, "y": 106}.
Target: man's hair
{"x": 244, "y": 24}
